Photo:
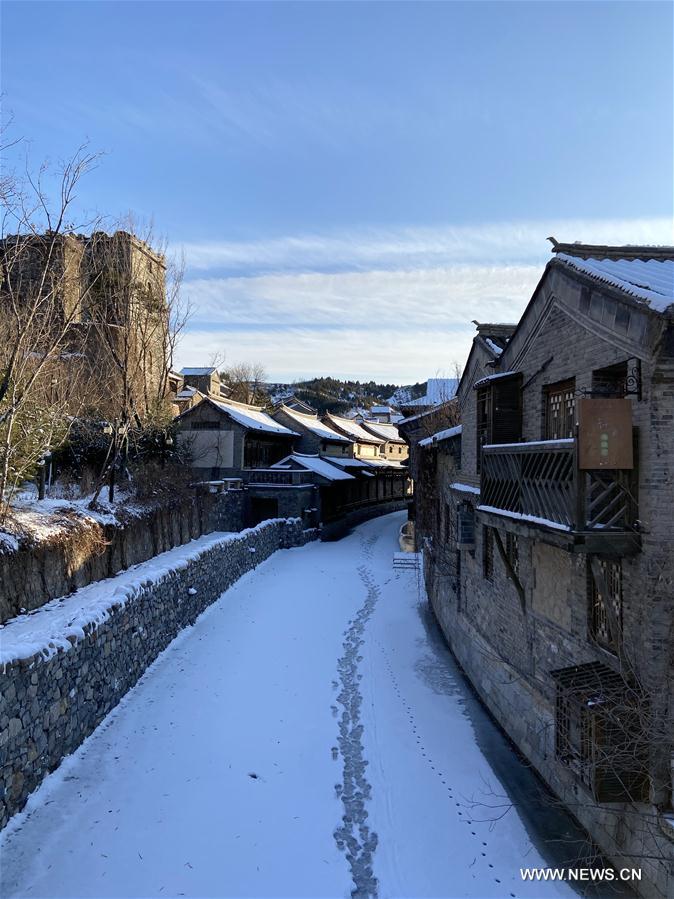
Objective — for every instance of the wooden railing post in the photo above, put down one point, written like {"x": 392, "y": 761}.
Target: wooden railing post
{"x": 579, "y": 489}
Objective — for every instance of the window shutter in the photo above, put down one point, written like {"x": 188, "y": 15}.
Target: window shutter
{"x": 507, "y": 410}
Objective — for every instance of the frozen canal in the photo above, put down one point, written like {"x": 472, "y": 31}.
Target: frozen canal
{"x": 310, "y": 736}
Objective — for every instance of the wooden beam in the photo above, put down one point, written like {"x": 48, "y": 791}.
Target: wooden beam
{"x": 509, "y": 568}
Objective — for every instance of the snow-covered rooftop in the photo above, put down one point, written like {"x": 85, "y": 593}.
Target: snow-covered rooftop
{"x": 251, "y": 417}
{"x": 651, "y": 280}
{"x": 314, "y": 424}
{"x": 446, "y": 434}
{"x": 349, "y": 463}
{"x": 316, "y": 464}
{"x": 383, "y": 429}
{"x": 354, "y": 430}
{"x": 186, "y": 372}
{"x": 186, "y": 393}
{"x": 385, "y": 463}
{"x": 381, "y": 410}
{"x": 495, "y": 377}
{"x": 438, "y": 390}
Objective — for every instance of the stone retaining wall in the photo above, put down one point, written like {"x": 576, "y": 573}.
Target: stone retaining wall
{"x": 86, "y": 551}
{"x": 49, "y": 703}
{"x": 334, "y": 530}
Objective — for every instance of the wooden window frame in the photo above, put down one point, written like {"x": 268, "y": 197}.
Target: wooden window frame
{"x": 599, "y": 732}
{"x": 499, "y": 413}
{"x": 562, "y": 426}
{"x": 598, "y": 623}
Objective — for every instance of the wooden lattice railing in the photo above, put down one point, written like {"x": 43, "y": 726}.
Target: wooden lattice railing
{"x": 541, "y": 482}
{"x": 279, "y": 476}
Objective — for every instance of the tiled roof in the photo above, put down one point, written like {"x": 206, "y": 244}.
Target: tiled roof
{"x": 314, "y": 424}
{"x": 318, "y": 465}
{"x": 446, "y": 434}
{"x": 251, "y": 417}
{"x": 650, "y": 280}
{"x": 385, "y": 430}
{"x": 353, "y": 430}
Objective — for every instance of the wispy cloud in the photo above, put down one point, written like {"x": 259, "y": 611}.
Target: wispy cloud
{"x": 395, "y": 305}
{"x": 397, "y": 326}
{"x": 502, "y": 243}
{"x": 436, "y": 297}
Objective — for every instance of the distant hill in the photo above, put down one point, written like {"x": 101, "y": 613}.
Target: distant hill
{"x": 333, "y": 395}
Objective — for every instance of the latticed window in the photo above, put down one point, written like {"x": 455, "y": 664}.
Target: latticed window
{"x": 600, "y": 630}
{"x": 499, "y": 412}
{"x": 573, "y": 739}
{"x": 513, "y": 551}
{"x": 465, "y": 519}
{"x": 602, "y": 732}
{"x": 560, "y": 410}
{"x": 487, "y": 552}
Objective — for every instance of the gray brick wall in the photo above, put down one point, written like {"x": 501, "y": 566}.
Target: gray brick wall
{"x": 508, "y": 651}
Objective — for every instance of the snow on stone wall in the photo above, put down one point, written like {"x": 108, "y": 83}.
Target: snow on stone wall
{"x": 65, "y": 667}
{"x": 87, "y": 550}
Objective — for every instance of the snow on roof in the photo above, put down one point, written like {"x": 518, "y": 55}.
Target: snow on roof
{"x": 186, "y": 372}
{"x": 464, "y": 488}
{"x": 432, "y": 411}
{"x": 186, "y": 393}
{"x": 651, "y": 280}
{"x": 385, "y": 463}
{"x": 360, "y": 435}
{"x": 494, "y": 347}
{"x": 500, "y": 374}
{"x": 381, "y": 410}
{"x": 349, "y": 463}
{"x": 316, "y": 464}
{"x": 250, "y": 417}
{"x": 441, "y": 435}
{"x": 438, "y": 390}
{"x": 383, "y": 429}
{"x": 314, "y": 424}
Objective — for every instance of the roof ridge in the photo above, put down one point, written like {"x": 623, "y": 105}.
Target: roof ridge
{"x": 608, "y": 251}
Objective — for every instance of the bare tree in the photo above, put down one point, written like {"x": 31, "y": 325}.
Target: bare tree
{"x": 88, "y": 325}
{"x": 40, "y": 302}
{"x": 246, "y": 381}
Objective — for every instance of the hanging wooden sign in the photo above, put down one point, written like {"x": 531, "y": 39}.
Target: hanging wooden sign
{"x": 605, "y": 434}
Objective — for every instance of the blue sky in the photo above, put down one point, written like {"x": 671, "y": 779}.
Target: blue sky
{"x": 353, "y": 182}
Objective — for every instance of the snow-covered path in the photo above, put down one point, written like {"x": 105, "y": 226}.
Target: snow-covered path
{"x": 309, "y": 736}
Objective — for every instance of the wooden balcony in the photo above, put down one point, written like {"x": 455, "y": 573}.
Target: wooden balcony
{"x": 537, "y": 488}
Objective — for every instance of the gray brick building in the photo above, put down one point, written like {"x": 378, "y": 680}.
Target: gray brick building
{"x": 546, "y": 527}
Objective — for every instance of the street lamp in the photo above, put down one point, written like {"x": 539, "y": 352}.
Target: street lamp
{"x": 111, "y": 431}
